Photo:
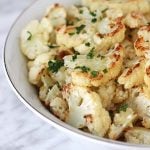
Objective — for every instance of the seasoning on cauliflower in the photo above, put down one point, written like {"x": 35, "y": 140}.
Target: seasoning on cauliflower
{"x": 56, "y": 14}
{"x": 109, "y": 33}
{"x": 122, "y": 120}
{"x": 142, "y": 44}
{"x": 138, "y": 135}
{"x": 35, "y": 37}
{"x": 133, "y": 75}
{"x": 95, "y": 71}
{"x": 85, "y": 110}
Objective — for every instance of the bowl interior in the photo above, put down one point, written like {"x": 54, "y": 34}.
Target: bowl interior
{"x": 16, "y": 69}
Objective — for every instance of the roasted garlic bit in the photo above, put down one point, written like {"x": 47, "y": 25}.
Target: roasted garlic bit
{"x": 126, "y": 6}
{"x": 71, "y": 36}
{"x": 88, "y": 70}
{"x": 85, "y": 109}
{"x": 135, "y": 20}
{"x": 122, "y": 121}
{"x": 37, "y": 66}
{"x": 109, "y": 33}
{"x": 142, "y": 44}
{"x": 134, "y": 75}
{"x": 56, "y": 14}
{"x": 35, "y": 37}
{"x": 138, "y": 135}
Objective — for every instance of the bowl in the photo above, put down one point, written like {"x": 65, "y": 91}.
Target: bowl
{"x": 16, "y": 72}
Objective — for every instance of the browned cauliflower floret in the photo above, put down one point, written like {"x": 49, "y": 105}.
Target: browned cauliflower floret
{"x": 142, "y": 44}
{"x": 109, "y": 33}
{"x": 133, "y": 75}
{"x": 85, "y": 110}
{"x": 122, "y": 120}
{"x": 135, "y": 20}
{"x": 96, "y": 71}
{"x": 56, "y": 14}
{"x": 107, "y": 93}
{"x": 138, "y": 135}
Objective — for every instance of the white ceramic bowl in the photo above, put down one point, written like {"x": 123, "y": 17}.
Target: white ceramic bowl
{"x": 16, "y": 71}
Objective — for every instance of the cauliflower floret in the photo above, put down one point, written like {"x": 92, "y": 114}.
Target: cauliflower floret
{"x": 105, "y": 68}
{"x": 142, "y": 44}
{"x": 141, "y": 105}
{"x": 107, "y": 93}
{"x": 135, "y": 20}
{"x": 35, "y": 37}
{"x": 71, "y": 36}
{"x": 37, "y": 66}
{"x": 121, "y": 121}
{"x": 133, "y": 75}
{"x": 113, "y": 13}
{"x": 126, "y": 6}
{"x": 85, "y": 110}
{"x": 56, "y": 14}
{"x": 109, "y": 33}
{"x": 120, "y": 94}
{"x": 138, "y": 135}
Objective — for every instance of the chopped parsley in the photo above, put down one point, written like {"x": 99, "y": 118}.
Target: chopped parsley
{"x": 102, "y": 57}
{"x": 87, "y": 44}
{"x": 80, "y": 28}
{"x": 93, "y": 20}
{"x": 90, "y": 55}
{"x": 93, "y": 14}
{"x": 123, "y": 107}
{"x": 105, "y": 70}
{"x": 58, "y": 85}
{"x": 74, "y": 57}
{"x": 94, "y": 73}
{"x": 53, "y": 46}
{"x": 104, "y": 10}
{"x": 81, "y": 11}
{"x": 83, "y": 68}
{"x": 55, "y": 65}
{"x": 30, "y": 35}
{"x": 72, "y": 33}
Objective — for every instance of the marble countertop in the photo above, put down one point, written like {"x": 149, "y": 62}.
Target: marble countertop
{"x": 20, "y": 129}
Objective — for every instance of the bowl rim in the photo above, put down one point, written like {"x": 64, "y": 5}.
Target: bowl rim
{"x": 61, "y": 125}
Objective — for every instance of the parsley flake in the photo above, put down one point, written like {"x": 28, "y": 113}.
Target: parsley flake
{"x": 123, "y": 107}
{"x": 94, "y": 73}
{"x": 53, "y": 46}
{"x": 80, "y": 28}
{"x": 81, "y": 11}
{"x": 93, "y": 14}
{"x": 87, "y": 44}
{"x": 55, "y": 65}
{"x": 83, "y": 68}
{"x": 105, "y": 70}
{"x": 93, "y": 20}
{"x": 104, "y": 10}
{"x": 30, "y": 35}
{"x": 74, "y": 57}
{"x": 90, "y": 55}
{"x": 71, "y": 33}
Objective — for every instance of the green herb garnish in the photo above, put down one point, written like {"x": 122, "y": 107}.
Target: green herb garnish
{"x": 53, "y": 46}
{"x": 71, "y": 33}
{"x": 74, "y": 57}
{"x": 104, "y": 10}
{"x": 80, "y": 28}
{"x": 81, "y": 11}
{"x": 90, "y": 55}
{"x": 94, "y": 20}
{"x": 94, "y": 73}
{"x": 55, "y": 65}
{"x": 30, "y": 35}
{"x": 87, "y": 44}
{"x": 123, "y": 107}
{"x": 105, "y": 70}
{"x": 93, "y": 14}
{"x": 83, "y": 68}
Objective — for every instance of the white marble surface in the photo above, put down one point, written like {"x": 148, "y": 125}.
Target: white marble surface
{"x": 20, "y": 129}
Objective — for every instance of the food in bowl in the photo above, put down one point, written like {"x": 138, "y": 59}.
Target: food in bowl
{"x": 90, "y": 63}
